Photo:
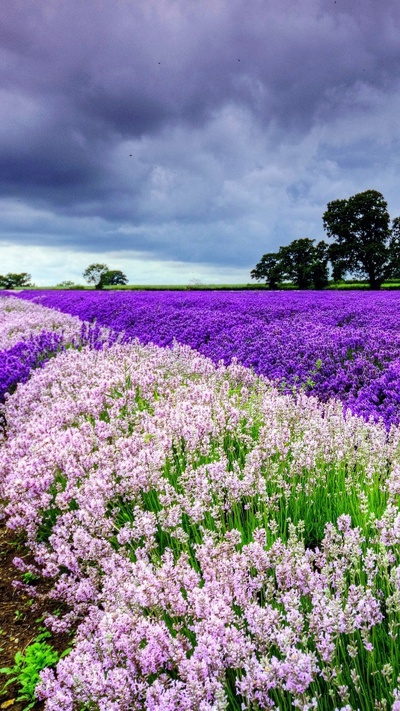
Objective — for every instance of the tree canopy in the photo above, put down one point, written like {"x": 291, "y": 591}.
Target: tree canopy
{"x": 15, "y": 281}
{"x": 395, "y": 249}
{"x": 301, "y": 262}
{"x": 268, "y": 269}
{"x": 362, "y": 237}
{"x": 304, "y": 264}
{"x": 100, "y": 275}
{"x": 364, "y": 245}
{"x": 114, "y": 277}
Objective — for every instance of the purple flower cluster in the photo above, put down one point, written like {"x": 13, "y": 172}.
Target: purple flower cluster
{"x": 17, "y": 362}
{"x": 31, "y": 334}
{"x": 171, "y": 502}
{"x": 331, "y": 344}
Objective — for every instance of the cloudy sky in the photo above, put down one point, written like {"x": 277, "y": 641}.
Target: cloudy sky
{"x": 179, "y": 140}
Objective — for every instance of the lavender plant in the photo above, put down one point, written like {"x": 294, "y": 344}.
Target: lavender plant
{"x": 282, "y": 335}
{"x": 220, "y": 545}
{"x": 31, "y": 334}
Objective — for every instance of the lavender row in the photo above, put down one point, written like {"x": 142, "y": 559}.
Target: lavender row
{"x": 343, "y": 345}
{"x": 219, "y": 546}
{"x": 17, "y": 363}
{"x": 30, "y": 335}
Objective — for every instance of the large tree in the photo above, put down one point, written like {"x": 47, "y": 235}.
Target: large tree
{"x": 305, "y": 264}
{"x": 360, "y": 228}
{"x": 301, "y": 262}
{"x": 94, "y": 274}
{"x": 100, "y": 275}
{"x": 113, "y": 277}
{"x": 268, "y": 269}
{"x": 319, "y": 270}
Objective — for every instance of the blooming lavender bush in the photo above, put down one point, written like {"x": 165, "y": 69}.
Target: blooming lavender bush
{"x": 17, "y": 362}
{"x": 24, "y": 320}
{"x": 31, "y": 334}
{"x": 331, "y": 344}
{"x": 221, "y": 545}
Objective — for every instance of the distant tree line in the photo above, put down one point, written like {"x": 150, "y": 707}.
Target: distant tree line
{"x": 100, "y": 275}
{"x": 15, "y": 281}
{"x": 365, "y": 246}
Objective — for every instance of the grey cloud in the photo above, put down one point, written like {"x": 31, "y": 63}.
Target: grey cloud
{"x": 134, "y": 67}
{"x": 196, "y": 124}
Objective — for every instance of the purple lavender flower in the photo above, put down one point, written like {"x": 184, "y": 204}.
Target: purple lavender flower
{"x": 17, "y": 362}
{"x": 330, "y": 344}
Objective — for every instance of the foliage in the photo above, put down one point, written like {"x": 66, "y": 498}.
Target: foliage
{"x": 28, "y": 664}
{"x": 93, "y": 274}
{"x": 15, "y": 281}
{"x": 100, "y": 275}
{"x": 301, "y": 262}
{"x": 268, "y": 269}
{"x": 395, "y": 249}
{"x": 305, "y": 264}
{"x": 364, "y": 246}
{"x": 360, "y": 228}
{"x": 113, "y": 277}
{"x": 67, "y": 284}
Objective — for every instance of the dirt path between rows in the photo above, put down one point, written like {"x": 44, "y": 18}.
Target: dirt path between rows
{"x": 21, "y": 616}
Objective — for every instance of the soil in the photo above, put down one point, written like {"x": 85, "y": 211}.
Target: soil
{"x": 21, "y": 616}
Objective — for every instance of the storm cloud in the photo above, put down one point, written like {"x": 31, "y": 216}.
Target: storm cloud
{"x": 181, "y": 132}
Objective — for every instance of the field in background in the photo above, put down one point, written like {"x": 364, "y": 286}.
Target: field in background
{"x": 357, "y": 285}
{"x": 328, "y": 343}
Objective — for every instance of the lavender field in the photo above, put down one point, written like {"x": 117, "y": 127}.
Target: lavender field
{"x": 332, "y": 344}
{"x": 211, "y": 482}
